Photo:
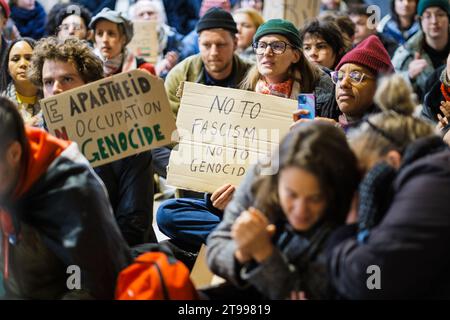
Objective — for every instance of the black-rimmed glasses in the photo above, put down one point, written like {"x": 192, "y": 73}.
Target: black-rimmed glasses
{"x": 277, "y": 47}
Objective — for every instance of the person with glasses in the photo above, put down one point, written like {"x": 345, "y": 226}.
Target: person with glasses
{"x": 168, "y": 37}
{"x": 70, "y": 20}
{"x": 282, "y": 69}
{"x": 403, "y": 228}
{"x": 356, "y": 78}
{"x": 427, "y": 50}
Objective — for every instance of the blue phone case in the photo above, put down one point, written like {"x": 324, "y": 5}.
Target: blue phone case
{"x": 307, "y": 101}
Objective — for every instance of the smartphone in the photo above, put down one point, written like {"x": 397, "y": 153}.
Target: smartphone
{"x": 307, "y": 101}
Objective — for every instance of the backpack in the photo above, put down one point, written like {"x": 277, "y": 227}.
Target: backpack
{"x": 155, "y": 275}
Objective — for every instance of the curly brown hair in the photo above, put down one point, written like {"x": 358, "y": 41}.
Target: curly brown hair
{"x": 89, "y": 66}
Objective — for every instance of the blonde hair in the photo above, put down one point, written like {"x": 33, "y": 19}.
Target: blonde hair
{"x": 254, "y": 15}
{"x": 304, "y": 72}
{"x": 394, "y": 128}
{"x": 394, "y": 93}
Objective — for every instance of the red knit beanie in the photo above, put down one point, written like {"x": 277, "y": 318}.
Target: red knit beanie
{"x": 369, "y": 53}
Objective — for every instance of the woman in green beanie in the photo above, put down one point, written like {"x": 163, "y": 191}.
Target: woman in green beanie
{"x": 283, "y": 70}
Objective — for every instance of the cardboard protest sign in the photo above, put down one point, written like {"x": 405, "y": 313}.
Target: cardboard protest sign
{"x": 112, "y": 118}
{"x": 145, "y": 42}
{"x": 293, "y": 10}
{"x": 223, "y": 132}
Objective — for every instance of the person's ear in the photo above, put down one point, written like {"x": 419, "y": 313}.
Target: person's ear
{"x": 297, "y": 56}
{"x": 235, "y": 42}
{"x": 90, "y": 35}
{"x": 394, "y": 158}
{"x": 14, "y": 154}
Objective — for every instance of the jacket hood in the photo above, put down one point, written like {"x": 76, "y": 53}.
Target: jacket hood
{"x": 43, "y": 149}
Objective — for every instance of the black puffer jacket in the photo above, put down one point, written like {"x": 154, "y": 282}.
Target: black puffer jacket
{"x": 411, "y": 243}
{"x": 433, "y": 97}
{"x": 64, "y": 220}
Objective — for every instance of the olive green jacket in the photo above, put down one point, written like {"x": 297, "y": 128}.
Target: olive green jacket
{"x": 192, "y": 69}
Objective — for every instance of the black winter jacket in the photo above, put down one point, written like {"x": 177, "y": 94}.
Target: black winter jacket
{"x": 64, "y": 220}
{"x": 129, "y": 182}
{"x": 411, "y": 243}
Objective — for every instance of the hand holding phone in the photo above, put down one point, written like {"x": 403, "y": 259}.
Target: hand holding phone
{"x": 307, "y": 101}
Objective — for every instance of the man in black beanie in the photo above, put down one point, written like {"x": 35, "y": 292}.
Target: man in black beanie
{"x": 188, "y": 221}
{"x": 216, "y": 64}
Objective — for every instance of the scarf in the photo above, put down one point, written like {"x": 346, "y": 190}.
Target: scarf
{"x": 31, "y": 23}
{"x": 28, "y": 106}
{"x": 124, "y": 62}
{"x": 282, "y": 89}
{"x": 376, "y": 190}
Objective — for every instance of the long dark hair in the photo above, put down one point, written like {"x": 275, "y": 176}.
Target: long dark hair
{"x": 322, "y": 150}
{"x": 395, "y": 16}
{"x": 5, "y": 78}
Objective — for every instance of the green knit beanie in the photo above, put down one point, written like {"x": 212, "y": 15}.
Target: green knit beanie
{"x": 279, "y": 26}
{"x": 424, "y": 4}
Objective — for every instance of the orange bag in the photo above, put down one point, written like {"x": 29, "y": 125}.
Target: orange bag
{"x": 155, "y": 276}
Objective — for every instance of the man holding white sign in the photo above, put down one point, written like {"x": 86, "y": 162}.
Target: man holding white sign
{"x": 60, "y": 66}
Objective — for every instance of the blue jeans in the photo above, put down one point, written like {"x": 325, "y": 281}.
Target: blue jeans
{"x": 188, "y": 222}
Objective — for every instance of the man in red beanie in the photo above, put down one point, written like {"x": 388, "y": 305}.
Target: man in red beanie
{"x": 356, "y": 80}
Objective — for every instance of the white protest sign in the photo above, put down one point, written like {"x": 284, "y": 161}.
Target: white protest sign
{"x": 293, "y": 10}
{"x": 113, "y": 118}
{"x": 145, "y": 42}
{"x": 224, "y": 131}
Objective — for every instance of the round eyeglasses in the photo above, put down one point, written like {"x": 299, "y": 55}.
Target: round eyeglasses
{"x": 356, "y": 77}
{"x": 66, "y": 27}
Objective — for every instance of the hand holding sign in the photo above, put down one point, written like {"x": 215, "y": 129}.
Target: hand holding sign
{"x": 222, "y": 196}
{"x": 113, "y": 118}
{"x": 222, "y": 132}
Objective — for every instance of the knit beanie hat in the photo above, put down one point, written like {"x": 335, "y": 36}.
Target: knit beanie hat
{"x": 217, "y": 18}
{"x": 424, "y": 4}
{"x": 371, "y": 54}
{"x": 6, "y": 9}
{"x": 279, "y": 26}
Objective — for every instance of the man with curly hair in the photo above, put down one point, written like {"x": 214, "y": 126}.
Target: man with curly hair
{"x": 58, "y": 66}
